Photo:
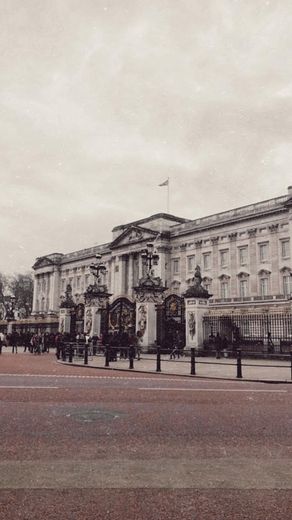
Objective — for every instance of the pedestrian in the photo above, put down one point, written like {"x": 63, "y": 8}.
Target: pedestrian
{"x": 14, "y": 342}
{"x": 218, "y": 345}
{"x": 225, "y": 346}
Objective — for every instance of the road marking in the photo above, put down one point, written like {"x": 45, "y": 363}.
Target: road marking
{"x": 139, "y": 378}
{"x": 28, "y": 387}
{"x": 213, "y": 390}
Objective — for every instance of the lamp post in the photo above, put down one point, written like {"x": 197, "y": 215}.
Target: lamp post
{"x": 150, "y": 257}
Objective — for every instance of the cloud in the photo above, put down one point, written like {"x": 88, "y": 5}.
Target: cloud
{"x": 100, "y": 101}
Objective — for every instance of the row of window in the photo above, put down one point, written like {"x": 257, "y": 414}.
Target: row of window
{"x": 263, "y": 256}
{"x": 243, "y": 286}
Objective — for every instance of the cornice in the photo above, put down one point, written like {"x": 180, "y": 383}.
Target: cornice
{"x": 230, "y": 221}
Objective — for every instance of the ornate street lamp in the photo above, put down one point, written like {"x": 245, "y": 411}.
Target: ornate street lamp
{"x": 150, "y": 257}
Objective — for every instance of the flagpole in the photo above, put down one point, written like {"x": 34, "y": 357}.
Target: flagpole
{"x": 167, "y": 194}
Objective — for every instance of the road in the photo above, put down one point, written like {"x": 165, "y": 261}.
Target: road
{"x": 83, "y": 444}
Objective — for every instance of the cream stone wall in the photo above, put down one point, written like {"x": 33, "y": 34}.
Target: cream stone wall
{"x": 261, "y": 228}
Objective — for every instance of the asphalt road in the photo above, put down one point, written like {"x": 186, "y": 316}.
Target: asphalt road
{"x": 83, "y": 444}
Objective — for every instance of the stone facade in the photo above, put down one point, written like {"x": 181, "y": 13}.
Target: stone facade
{"x": 244, "y": 255}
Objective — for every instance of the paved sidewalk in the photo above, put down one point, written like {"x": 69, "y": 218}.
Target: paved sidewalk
{"x": 252, "y": 369}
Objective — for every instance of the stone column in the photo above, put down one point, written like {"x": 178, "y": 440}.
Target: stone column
{"x": 121, "y": 286}
{"x": 54, "y": 295}
{"x": 140, "y": 267}
{"x": 131, "y": 275}
{"x": 35, "y": 290}
{"x": 161, "y": 272}
{"x": 275, "y": 286}
{"x": 182, "y": 262}
{"x": 233, "y": 266}
{"x": 253, "y": 262}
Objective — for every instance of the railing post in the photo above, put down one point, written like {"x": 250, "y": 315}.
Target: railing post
{"x": 291, "y": 363}
{"x": 193, "y": 362}
{"x": 70, "y": 353}
{"x": 107, "y": 356}
{"x": 239, "y": 367}
{"x": 85, "y": 354}
{"x": 158, "y": 360}
{"x": 131, "y": 358}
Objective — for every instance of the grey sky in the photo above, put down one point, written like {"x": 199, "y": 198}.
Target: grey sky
{"x": 101, "y": 100}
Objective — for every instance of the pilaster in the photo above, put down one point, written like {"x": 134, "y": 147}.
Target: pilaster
{"x": 253, "y": 261}
{"x": 233, "y": 265}
{"x": 215, "y": 281}
{"x": 275, "y": 287}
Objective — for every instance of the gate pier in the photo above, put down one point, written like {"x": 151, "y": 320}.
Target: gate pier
{"x": 149, "y": 294}
{"x": 196, "y": 305}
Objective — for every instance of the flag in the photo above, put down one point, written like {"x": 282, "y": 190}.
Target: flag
{"x": 165, "y": 183}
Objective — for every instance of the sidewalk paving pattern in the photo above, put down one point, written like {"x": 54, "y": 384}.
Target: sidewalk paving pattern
{"x": 225, "y": 368}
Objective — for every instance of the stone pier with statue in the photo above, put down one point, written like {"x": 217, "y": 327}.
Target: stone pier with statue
{"x": 196, "y": 306}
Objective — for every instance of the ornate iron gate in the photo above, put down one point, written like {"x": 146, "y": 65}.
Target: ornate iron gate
{"x": 121, "y": 316}
{"x": 171, "y": 322}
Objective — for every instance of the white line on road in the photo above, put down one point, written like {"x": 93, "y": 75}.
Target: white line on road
{"x": 138, "y": 378}
{"x": 213, "y": 390}
{"x": 29, "y": 387}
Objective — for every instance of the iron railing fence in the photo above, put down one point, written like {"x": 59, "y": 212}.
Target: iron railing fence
{"x": 260, "y": 333}
{"x": 192, "y": 362}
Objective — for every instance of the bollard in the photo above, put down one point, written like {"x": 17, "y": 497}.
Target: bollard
{"x": 63, "y": 352}
{"x": 107, "y": 356}
{"x": 158, "y": 361}
{"x": 131, "y": 358}
{"x": 193, "y": 362}
{"x": 85, "y": 354}
{"x": 70, "y": 353}
{"x": 291, "y": 363}
{"x": 239, "y": 369}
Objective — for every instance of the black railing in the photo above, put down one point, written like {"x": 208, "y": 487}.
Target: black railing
{"x": 189, "y": 357}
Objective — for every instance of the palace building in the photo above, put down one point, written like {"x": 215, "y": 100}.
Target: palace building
{"x": 244, "y": 256}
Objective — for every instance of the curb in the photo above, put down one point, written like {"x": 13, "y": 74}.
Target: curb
{"x": 188, "y": 376}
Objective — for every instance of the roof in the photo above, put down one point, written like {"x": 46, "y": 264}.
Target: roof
{"x": 156, "y": 216}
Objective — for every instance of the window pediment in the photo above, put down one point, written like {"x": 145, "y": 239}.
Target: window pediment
{"x": 243, "y": 274}
{"x": 264, "y": 272}
{"x": 224, "y": 277}
{"x": 285, "y": 269}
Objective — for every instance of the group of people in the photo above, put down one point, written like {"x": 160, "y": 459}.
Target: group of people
{"x": 220, "y": 344}
{"x": 123, "y": 344}
{"x": 35, "y": 343}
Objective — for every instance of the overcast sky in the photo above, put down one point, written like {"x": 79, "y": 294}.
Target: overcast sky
{"x": 102, "y": 100}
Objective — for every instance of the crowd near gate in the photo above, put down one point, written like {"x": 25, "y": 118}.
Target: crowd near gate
{"x": 251, "y": 332}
